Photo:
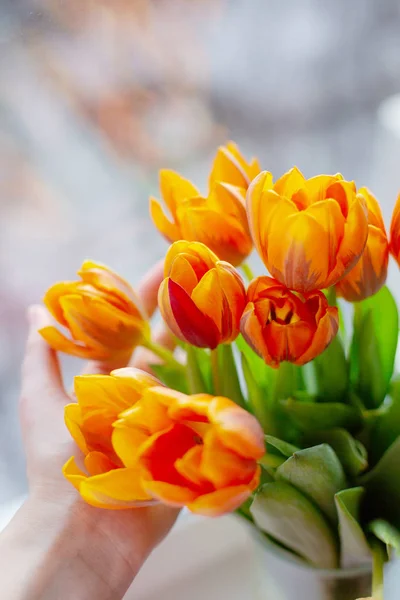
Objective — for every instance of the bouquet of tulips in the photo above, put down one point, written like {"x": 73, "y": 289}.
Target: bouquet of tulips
{"x": 281, "y": 402}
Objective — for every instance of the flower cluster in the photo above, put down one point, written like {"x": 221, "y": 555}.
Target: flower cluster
{"x": 244, "y": 425}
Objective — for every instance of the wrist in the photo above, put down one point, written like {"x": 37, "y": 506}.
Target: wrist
{"x": 62, "y": 550}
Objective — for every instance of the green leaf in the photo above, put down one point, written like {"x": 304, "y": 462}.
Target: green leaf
{"x": 351, "y": 453}
{"x": 382, "y": 486}
{"x": 279, "y": 445}
{"x": 196, "y": 382}
{"x": 374, "y": 344}
{"x": 284, "y": 513}
{"x": 332, "y": 373}
{"x": 318, "y": 474}
{"x": 355, "y": 550}
{"x": 171, "y": 377}
{"x": 311, "y": 416}
{"x": 385, "y": 532}
{"x": 256, "y": 396}
{"x": 228, "y": 375}
{"x": 261, "y": 372}
{"x": 387, "y": 427}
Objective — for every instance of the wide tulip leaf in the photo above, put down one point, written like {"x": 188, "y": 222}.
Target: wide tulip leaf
{"x": 284, "y": 513}
{"x": 382, "y": 485}
{"x": 318, "y": 474}
{"x": 351, "y": 452}
{"x": 387, "y": 428}
{"x": 332, "y": 372}
{"x": 171, "y": 377}
{"x": 385, "y": 532}
{"x": 355, "y": 550}
{"x": 276, "y": 445}
{"x": 313, "y": 416}
{"x": 374, "y": 344}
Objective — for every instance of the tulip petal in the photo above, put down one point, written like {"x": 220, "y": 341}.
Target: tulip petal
{"x": 209, "y": 298}
{"x": 54, "y": 294}
{"x": 222, "y": 233}
{"x": 198, "y": 255}
{"x": 61, "y": 343}
{"x": 252, "y": 332}
{"x": 236, "y": 428}
{"x": 369, "y": 274}
{"x": 287, "y": 342}
{"x": 222, "y": 466}
{"x": 117, "y": 489}
{"x": 97, "y": 463}
{"x": 73, "y": 473}
{"x": 100, "y": 393}
{"x": 227, "y": 167}
{"x": 395, "y": 231}
{"x": 230, "y": 200}
{"x": 148, "y": 414}
{"x": 175, "y": 189}
{"x": 189, "y": 466}
{"x": 190, "y": 408}
{"x": 329, "y": 216}
{"x": 354, "y": 240}
{"x": 327, "y": 328}
{"x": 168, "y": 493}
{"x": 104, "y": 279}
{"x": 256, "y": 209}
{"x": 290, "y": 183}
{"x": 126, "y": 441}
{"x": 167, "y": 228}
{"x": 224, "y": 501}
{"x": 184, "y": 318}
{"x": 73, "y": 421}
{"x": 183, "y": 272}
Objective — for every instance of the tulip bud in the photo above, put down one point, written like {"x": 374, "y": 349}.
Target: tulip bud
{"x": 102, "y": 313}
{"x": 282, "y": 326}
{"x": 369, "y": 274}
{"x": 308, "y": 232}
{"x": 202, "y": 298}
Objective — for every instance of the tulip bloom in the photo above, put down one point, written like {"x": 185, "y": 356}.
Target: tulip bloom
{"x": 369, "y": 274}
{"x": 102, "y": 313}
{"x": 395, "y": 232}
{"x": 201, "y": 298}
{"x": 282, "y": 326}
{"x": 219, "y": 220}
{"x": 308, "y": 232}
{"x": 197, "y": 451}
{"x": 105, "y": 482}
{"x": 230, "y": 166}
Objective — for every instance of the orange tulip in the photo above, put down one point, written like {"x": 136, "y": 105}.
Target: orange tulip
{"x": 101, "y": 312}
{"x": 282, "y": 326}
{"x": 308, "y": 232}
{"x": 369, "y": 274}
{"x": 395, "y": 232}
{"x": 219, "y": 220}
{"x": 230, "y": 166}
{"x": 104, "y": 481}
{"x": 202, "y": 298}
{"x": 197, "y": 451}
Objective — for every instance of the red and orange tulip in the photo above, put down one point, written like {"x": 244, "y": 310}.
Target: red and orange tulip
{"x": 308, "y": 232}
{"x": 395, "y": 232}
{"x": 369, "y": 274}
{"x": 201, "y": 298}
{"x": 282, "y": 326}
{"x": 230, "y": 166}
{"x": 104, "y": 481}
{"x": 101, "y": 312}
{"x": 197, "y": 451}
{"x": 218, "y": 220}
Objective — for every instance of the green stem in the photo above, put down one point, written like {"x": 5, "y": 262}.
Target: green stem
{"x": 331, "y": 296}
{"x": 378, "y": 561}
{"x": 230, "y": 383}
{"x": 194, "y": 376}
{"x": 215, "y": 372}
{"x": 166, "y": 355}
{"x": 247, "y": 271}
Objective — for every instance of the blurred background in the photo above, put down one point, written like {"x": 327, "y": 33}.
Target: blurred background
{"x": 97, "y": 95}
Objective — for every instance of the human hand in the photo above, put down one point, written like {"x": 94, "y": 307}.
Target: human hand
{"x": 112, "y": 545}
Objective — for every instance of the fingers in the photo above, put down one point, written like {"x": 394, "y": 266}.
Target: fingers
{"x": 41, "y": 370}
{"x": 148, "y": 287}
